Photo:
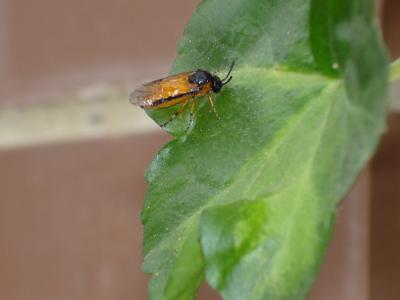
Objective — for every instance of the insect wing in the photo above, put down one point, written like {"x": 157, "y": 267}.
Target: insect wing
{"x": 142, "y": 96}
{"x": 169, "y": 87}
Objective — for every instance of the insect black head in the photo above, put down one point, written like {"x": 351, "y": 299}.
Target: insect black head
{"x": 218, "y": 83}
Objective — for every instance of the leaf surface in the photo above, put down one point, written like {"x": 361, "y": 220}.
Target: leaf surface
{"x": 248, "y": 202}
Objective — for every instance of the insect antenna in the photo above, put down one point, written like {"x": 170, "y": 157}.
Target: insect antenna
{"x": 229, "y": 79}
{"x": 229, "y": 73}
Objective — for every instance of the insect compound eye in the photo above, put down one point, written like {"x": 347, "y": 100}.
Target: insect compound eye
{"x": 217, "y": 84}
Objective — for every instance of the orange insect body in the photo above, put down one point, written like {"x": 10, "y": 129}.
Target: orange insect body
{"x": 179, "y": 89}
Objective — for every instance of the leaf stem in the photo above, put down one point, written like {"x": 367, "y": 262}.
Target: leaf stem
{"x": 395, "y": 70}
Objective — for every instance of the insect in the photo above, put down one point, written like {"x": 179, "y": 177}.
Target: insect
{"x": 180, "y": 89}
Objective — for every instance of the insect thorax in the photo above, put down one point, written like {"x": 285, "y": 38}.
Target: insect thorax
{"x": 200, "y": 77}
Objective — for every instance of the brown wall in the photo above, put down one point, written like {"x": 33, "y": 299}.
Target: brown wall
{"x": 69, "y": 220}
{"x": 385, "y": 216}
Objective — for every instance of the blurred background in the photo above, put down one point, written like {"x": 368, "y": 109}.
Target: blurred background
{"x": 73, "y": 152}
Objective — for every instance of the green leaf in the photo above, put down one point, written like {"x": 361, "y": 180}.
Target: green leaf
{"x": 249, "y": 201}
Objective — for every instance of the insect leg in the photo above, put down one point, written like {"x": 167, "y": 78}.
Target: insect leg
{"x": 192, "y": 111}
{"x": 177, "y": 113}
{"x": 213, "y": 106}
